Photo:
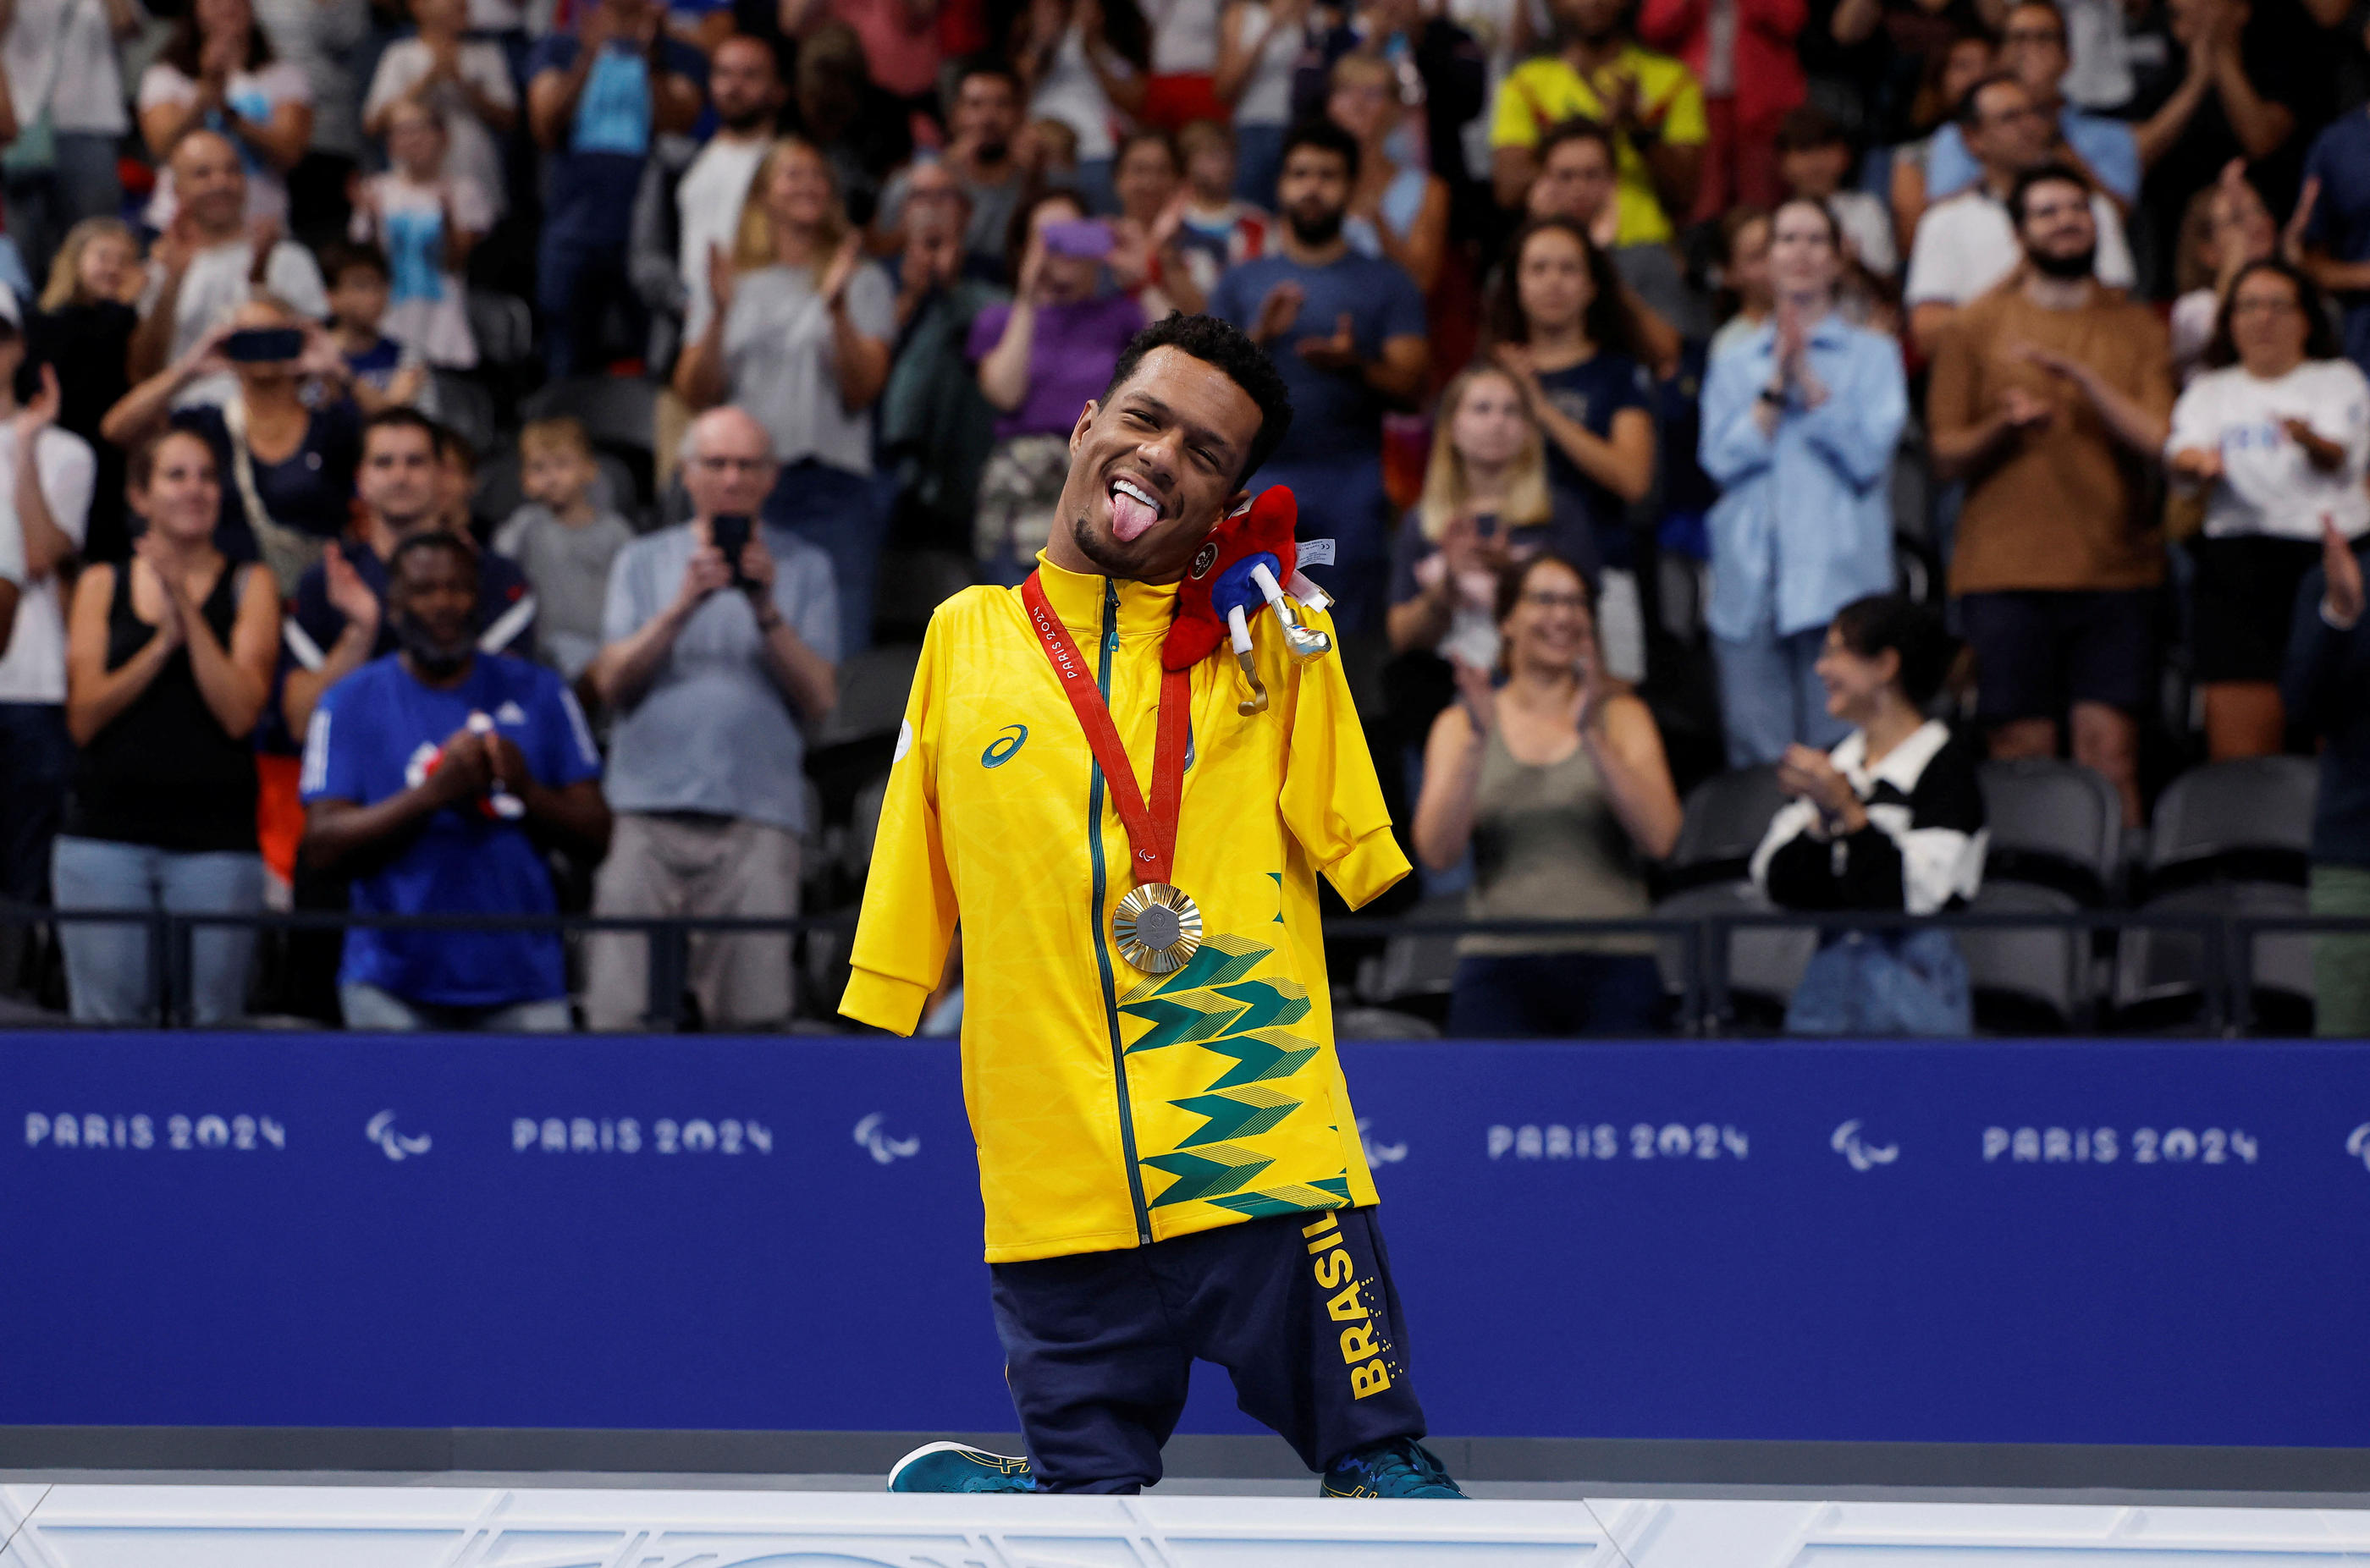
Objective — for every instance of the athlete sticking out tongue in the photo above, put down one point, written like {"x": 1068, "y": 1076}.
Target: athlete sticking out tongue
{"x": 1169, "y": 1161}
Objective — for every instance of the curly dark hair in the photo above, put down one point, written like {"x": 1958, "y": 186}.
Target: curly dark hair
{"x": 1218, "y": 344}
{"x": 1607, "y": 319}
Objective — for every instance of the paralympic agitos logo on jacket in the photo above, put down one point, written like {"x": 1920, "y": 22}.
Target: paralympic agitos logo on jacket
{"x": 1364, "y": 1350}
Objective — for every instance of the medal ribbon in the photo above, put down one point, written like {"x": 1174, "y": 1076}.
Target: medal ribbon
{"x": 1151, "y": 832}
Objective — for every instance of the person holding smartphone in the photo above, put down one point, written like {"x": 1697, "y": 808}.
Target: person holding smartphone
{"x": 286, "y": 463}
{"x": 723, "y": 634}
{"x": 1042, "y": 359}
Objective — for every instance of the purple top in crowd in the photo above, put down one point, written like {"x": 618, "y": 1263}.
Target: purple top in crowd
{"x": 1070, "y": 358}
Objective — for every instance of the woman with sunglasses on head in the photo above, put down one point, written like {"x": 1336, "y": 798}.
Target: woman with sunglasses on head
{"x": 1557, "y": 782}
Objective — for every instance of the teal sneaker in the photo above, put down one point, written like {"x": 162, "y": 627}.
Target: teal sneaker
{"x": 951, "y": 1467}
{"x": 1397, "y": 1467}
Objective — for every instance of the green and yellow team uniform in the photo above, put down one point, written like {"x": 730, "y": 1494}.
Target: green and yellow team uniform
{"x": 1115, "y": 1108}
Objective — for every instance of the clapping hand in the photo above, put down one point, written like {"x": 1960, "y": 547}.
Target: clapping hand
{"x": 464, "y": 769}
{"x": 2023, "y": 411}
{"x": 1809, "y": 775}
{"x": 843, "y": 263}
{"x": 38, "y": 412}
{"x": 174, "y": 629}
{"x": 1277, "y": 312}
{"x": 348, "y": 595}
{"x": 1477, "y": 690}
{"x": 2341, "y": 602}
{"x": 1337, "y": 351}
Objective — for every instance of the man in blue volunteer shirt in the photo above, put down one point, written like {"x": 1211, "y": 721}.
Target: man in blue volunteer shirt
{"x": 435, "y": 778}
{"x": 1347, "y": 332}
{"x": 594, "y": 100}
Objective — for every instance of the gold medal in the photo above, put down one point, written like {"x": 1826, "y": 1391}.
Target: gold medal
{"x": 1156, "y": 928}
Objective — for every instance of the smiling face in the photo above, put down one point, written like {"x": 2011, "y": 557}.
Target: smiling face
{"x": 798, "y": 191}
{"x": 1855, "y": 684}
{"x": 436, "y": 591}
{"x": 1550, "y": 626}
{"x": 1313, "y": 193}
{"x": 210, "y": 184}
{"x": 1364, "y": 100}
{"x": 108, "y": 261}
{"x": 2010, "y": 134}
{"x": 743, "y": 84}
{"x": 1153, "y": 467}
{"x": 2032, "y": 45}
{"x": 2059, "y": 231}
{"x": 182, "y": 498}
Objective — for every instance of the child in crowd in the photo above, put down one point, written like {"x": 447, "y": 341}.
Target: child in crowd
{"x": 563, "y": 542}
{"x": 1814, "y": 159}
{"x": 384, "y": 375}
{"x": 426, "y": 219}
{"x": 1047, "y": 151}
{"x": 1218, "y": 232}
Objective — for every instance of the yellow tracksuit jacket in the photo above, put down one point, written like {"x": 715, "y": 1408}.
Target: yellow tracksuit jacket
{"x": 1115, "y": 1108}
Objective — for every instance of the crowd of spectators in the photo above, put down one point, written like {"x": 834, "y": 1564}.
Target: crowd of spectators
{"x": 1851, "y": 388}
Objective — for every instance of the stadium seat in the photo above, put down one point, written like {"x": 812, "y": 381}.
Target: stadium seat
{"x": 2053, "y": 824}
{"x": 1417, "y": 970}
{"x": 1764, "y": 963}
{"x": 504, "y": 325}
{"x": 2249, "y": 820}
{"x": 873, "y": 688}
{"x": 913, "y": 584}
{"x": 2162, "y": 977}
{"x": 1726, "y": 816}
{"x": 464, "y": 407}
{"x": 619, "y": 411}
{"x": 2027, "y": 980}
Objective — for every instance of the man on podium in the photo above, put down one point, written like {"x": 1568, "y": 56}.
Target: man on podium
{"x": 1168, "y": 1159}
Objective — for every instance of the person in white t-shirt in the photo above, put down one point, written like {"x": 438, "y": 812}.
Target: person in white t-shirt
{"x": 46, "y": 476}
{"x": 2278, "y": 433}
{"x": 1084, "y": 67}
{"x": 211, "y": 262}
{"x": 427, "y": 219}
{"x": 1968, "y": 243}
{"x": 745, "y": 87}
{"x": 219, "y": 74}
{"x": 468, "y": 82}
{"x": 60, "y": 61}
{"x": 1260, "y": 43}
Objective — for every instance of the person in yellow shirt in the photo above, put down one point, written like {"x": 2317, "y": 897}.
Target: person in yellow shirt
{"x": 1651, "y": 103}
{"x": 1168, "y": 1159}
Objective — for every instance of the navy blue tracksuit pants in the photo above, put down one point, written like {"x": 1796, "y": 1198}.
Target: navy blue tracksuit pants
{"x": 1297, "y": 1308}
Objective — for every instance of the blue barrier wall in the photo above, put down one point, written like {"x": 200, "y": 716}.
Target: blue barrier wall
{"x": 2106, "y": 1242}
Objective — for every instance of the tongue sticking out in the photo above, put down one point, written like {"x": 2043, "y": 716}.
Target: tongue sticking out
{"x": 1131, "y": 518}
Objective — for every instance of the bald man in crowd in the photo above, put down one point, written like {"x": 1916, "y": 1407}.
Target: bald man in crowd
{"x": 207, "y": 263}
{"x": 720, "y": 637}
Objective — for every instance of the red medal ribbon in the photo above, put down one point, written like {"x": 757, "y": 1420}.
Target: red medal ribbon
{"x": 1151, "y": 833}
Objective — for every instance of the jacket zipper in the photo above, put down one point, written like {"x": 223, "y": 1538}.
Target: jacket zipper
{"x": 1103, "y": 948}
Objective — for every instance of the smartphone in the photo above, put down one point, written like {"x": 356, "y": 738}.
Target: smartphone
{"x": 263, "y": 345}
{"x": 731, "y": 533}
{"x": 1088, "y": 238}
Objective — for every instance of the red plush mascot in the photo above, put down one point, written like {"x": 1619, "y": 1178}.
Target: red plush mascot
{"x": 1243, "y": 565}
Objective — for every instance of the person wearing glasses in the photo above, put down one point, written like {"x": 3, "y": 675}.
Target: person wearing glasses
{"x": 1556, "y": 781}
{"x": 2032, "y": 49}
{"x": 2276, "y": 432}
{"x": 722, "y": 635}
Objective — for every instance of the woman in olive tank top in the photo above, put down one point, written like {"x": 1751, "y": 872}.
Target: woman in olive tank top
{"x": 1558, "y": 781}
{"x": 168, "y": 659}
